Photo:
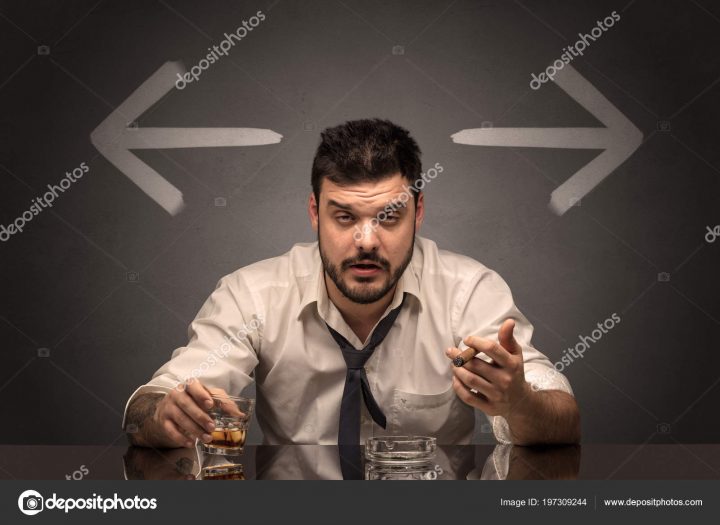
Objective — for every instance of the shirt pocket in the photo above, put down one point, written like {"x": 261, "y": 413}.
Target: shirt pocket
{"x": 443, "y": 416}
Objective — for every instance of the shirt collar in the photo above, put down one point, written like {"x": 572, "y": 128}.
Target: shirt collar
{"x": 316, "y": 291}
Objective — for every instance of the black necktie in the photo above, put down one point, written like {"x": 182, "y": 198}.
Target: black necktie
{"x": 356, "y": 381}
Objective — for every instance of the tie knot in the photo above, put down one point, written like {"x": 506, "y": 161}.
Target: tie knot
{"x": 356, "y": 359}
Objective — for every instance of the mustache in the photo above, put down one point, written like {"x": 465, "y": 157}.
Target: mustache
{"x": 373, "y": 257}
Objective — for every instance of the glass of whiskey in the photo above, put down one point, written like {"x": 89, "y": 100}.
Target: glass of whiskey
{"x": 232, "y": 417}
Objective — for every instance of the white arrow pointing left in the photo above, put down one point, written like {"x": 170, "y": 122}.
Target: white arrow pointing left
{"x": 114, "y": 138}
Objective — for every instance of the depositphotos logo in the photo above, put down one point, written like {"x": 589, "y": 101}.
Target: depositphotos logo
{"x": 31, "y": 502}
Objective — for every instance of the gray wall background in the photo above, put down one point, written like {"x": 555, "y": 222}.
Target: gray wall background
{"x": 106, "y": 281}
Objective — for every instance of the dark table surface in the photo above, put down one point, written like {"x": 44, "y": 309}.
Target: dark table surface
{"x": 589, "y": 461}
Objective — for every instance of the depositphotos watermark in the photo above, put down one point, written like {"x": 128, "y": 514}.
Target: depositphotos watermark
{"x": 78, "y": 474}
{"x": 40, "y": 203}
{"x": 576, "y": 352}
{"x": 712, "y": 233}
{"x": 399, "y": 201}
{"x": 31, "y": 502}
{"x": 577, "y": 49}
{"x": 219, "y": 50}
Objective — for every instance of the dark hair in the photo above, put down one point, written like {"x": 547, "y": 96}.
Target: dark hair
{"x": 365, "y": 150}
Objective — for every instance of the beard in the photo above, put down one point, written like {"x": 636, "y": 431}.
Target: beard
{"x": 363, "y": 294}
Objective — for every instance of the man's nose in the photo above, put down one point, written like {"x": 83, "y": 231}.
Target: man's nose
{"x": 365, "y": 236}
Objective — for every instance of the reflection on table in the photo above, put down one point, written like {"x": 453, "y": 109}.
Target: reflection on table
{"x": 676, "y": 461}
{"x": 297, "y": 462}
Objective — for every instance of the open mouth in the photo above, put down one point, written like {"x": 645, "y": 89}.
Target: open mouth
{"x": 366, "y": 268}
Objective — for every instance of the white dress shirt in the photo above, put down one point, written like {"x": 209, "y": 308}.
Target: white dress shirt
{"x": 266, "y": 322}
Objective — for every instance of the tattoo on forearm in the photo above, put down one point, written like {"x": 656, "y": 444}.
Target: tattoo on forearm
{"x": 139, "y": 413}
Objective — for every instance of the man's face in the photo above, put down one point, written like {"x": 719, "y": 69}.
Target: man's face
{"x": 364, "y": 246}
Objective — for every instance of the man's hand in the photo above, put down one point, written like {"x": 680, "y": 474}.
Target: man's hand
{"x": 177, "y": 419}
{"x": 499, "y": 385}
{"x": 182, "y": 414}
{"x": 546, "y": 416}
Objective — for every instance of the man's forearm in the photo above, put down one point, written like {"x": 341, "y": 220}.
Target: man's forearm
{"x": 545, "y": 416}
{"x": 139, "y": 422}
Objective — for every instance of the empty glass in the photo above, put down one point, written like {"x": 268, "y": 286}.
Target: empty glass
{"x": 401, "y": 457}
{"x": 400, "y": 448}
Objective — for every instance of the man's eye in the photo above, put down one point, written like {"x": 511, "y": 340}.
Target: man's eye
{"x": 391, "y": 218}
{"x": 343, "y": 218}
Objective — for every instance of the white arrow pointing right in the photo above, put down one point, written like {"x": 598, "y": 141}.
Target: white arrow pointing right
{"x": 620, "y": 138}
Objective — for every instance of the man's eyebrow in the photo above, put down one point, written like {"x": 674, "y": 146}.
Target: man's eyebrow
{"x": 398, "y": 208}
{"x": 340, "y": 205}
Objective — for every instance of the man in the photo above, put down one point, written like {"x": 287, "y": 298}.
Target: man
{"x": 354, "y": 335}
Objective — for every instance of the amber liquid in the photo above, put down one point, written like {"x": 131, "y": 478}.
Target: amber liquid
{"x": 231, "y": 437}
{"x": 224, "y": 472}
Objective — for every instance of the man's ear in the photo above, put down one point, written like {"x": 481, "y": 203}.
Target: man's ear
{"x": 419, "y": 211}
{"x": 313, "y": 211}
